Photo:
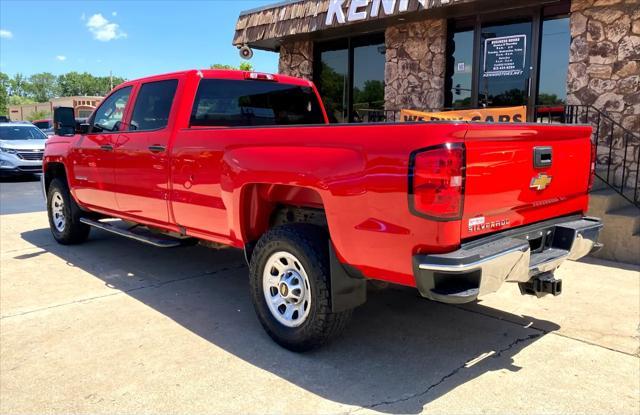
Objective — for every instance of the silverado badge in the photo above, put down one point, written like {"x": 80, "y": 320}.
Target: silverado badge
{"x": 540, "y": 182}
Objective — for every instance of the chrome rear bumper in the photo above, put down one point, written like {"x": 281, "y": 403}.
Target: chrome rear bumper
{"x": 482, "y": 266}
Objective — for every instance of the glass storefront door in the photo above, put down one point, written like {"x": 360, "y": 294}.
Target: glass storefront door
{"x": 505, "y": 69}
{"x": 520, "y": 59}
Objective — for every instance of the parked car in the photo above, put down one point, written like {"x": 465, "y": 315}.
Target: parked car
{"x": 45, "y": 125}
{"x": 21, "y": 148}
{"x": 244, "y": 159}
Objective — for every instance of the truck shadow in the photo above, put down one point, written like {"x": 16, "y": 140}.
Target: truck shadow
{"x": 398, "y": 354}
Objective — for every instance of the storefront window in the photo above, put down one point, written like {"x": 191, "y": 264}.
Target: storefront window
{"x": 554, "y": 61}
{"x": 368, "y": 82}
{"x": 461, "y": 69}
{"x": 349, "y": 74}
{"x": 332, "y": 79}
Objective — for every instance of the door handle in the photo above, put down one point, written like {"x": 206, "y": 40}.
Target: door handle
{"x": 157, "y": 148}
{"x": 106, "y": 147}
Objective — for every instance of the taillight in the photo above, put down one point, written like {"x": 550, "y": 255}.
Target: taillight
{"x": 436, "y": 181}
{"x": 592, "y": 168}
{"x": 256, "y": 76}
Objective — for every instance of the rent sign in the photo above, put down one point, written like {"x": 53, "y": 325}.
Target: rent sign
{"x": 506, "y": 114}
{"x": 343, "y": 11}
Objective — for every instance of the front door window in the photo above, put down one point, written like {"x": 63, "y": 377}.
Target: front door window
{"x": 519, "y": 60}
{"x": 505, "y": 71}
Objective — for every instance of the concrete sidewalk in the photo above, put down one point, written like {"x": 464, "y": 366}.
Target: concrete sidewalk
{"x": 113, "y": 326}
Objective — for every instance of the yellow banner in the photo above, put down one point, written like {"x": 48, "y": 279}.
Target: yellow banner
{"x": 506, "y": 114}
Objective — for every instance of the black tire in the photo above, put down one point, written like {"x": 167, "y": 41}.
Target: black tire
{"x": 74, "y": 231}
{"x": 310, "y": 245}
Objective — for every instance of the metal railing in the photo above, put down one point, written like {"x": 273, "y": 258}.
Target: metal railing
{"x": 617, "y": 148}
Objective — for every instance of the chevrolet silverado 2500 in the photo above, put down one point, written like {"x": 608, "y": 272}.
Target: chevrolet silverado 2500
{"x": 248, "y": 160}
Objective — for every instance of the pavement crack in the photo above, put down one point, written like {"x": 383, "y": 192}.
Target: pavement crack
{"x": 159, "y": 284}
{"x": 449, "y": 375}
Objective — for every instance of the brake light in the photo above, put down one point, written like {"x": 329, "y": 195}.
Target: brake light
{"x": 436, "y": 181}
{"x": 592, "y": 168}
{"x": 256, "y": 76}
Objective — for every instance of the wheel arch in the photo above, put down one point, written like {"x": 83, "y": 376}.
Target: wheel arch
{"x": 52, "y": 171}
{"x": 262, "y": 205}
{"x": 265, "y": 206}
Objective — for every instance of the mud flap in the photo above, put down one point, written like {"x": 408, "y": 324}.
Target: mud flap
{"x": 348, "y": 289}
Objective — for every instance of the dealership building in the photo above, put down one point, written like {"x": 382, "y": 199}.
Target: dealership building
{"x": 372, "y": 58}
{"x": 560, "y": 61}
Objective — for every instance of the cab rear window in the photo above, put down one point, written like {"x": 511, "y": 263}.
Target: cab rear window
{"x": 238, "y": 103}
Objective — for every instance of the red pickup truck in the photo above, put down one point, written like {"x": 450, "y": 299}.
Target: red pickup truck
{"x": 245, "y": 159}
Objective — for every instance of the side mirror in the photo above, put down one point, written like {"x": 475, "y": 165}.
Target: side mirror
{"x": 82, "y": 128}
{"x": 64, "y": 121}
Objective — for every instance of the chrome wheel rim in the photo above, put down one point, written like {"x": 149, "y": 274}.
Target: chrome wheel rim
{"x": 57, "y": 212}
{"x": 286, "y": 289}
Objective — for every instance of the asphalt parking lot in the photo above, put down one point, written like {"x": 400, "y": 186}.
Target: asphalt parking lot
{"x": 113, "y": 326}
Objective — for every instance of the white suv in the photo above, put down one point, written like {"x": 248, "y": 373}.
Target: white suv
{"x": 21, "y": 148}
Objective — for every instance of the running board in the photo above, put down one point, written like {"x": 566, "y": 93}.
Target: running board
{"x": 154, "y": 240}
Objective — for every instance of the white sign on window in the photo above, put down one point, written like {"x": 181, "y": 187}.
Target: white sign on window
{"x": 505, "y": 56}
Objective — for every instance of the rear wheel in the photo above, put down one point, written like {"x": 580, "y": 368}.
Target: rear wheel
{"x": 290, "y": 287}
{"x": 64, "y": 215}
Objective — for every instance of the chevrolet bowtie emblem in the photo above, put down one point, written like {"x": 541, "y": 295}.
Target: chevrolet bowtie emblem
{"x": 540, "y": 182}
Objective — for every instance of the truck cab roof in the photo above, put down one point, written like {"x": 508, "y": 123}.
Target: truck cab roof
{"x": 221, "y": 74}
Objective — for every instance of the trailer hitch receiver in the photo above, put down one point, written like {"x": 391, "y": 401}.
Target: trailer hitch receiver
{"x": 541, "y": 285}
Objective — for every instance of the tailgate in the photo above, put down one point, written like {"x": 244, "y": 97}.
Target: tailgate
{"x": 506, "y": 187}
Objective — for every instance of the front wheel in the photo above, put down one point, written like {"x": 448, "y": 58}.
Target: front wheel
{"x": 290, "y": 287}
{"x": 64, "y": 215}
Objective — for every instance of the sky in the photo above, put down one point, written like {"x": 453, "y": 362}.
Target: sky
{"x": 130, "y": 38}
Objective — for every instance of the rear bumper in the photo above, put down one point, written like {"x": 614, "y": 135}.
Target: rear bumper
{"x": 482, "y": 266}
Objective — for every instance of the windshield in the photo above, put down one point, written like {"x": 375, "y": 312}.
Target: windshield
{"x": 25, "y": 132}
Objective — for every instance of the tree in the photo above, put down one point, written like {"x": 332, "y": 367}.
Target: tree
{"x": 18, "y": 100}
{"x": 372, "y": 94}
{"x": 18, "y": 85}
{"x": 42, "y": 86}
{"x": 39, "y": 115}
{"x": 244, "y": 66}
{"x": 74, "y": 83}
{"x": 4, "y": 94}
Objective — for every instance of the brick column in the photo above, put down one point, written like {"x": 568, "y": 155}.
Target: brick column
{"x": 604, "y": 68}
{"x": 296, "y": 59}
{"x": 415, "y": 65}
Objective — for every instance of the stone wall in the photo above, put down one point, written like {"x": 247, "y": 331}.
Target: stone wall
{"x": 415, "y": 66}
{"x": 296, "y": 59}
{"x": 604, "y": 71}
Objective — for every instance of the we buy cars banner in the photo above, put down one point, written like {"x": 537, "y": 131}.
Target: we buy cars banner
{"x": 506, "y": 114}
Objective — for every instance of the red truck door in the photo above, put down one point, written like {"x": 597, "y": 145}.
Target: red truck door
{"x": 142, "y": 157}
{"x": 93, "y": 158}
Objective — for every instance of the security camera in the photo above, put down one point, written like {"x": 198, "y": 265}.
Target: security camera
{"x": 246, "y": 52}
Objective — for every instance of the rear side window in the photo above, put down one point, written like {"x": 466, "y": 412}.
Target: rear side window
{"x": 153, "y": 105}
{"x": 236, "y": 103}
